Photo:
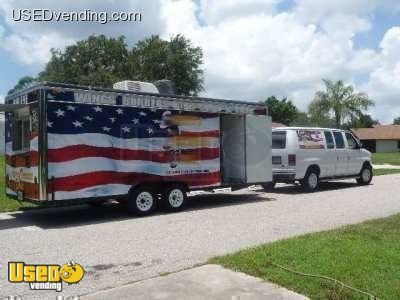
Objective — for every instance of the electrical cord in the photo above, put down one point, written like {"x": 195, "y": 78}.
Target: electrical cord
{"x": 371, "y": 296}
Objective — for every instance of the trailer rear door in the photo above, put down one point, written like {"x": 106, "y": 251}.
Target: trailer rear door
{"x": 258, "y": 149}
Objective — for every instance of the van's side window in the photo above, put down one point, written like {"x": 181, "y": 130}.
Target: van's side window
{"x": 279, "y": 140}
{"x": 329, "y": 140}
{"x": 351, "y": 142}
{"x": 339, "y": 139}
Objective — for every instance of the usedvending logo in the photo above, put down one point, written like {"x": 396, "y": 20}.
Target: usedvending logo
{"x": 45, "y": 277}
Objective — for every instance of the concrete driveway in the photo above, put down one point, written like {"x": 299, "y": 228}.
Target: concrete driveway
{"x": 117, "y": 249}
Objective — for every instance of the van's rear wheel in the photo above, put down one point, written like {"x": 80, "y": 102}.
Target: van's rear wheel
{"x": 174, "y": 198}
{"x": 310, "y": 182}
{"x": 365, "y": 175}
{"x": 142, "y": 201}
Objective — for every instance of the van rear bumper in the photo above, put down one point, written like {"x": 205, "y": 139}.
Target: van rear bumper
{"x": 285, "y": 176}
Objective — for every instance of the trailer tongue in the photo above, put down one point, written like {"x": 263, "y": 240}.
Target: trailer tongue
{"x": 68, "y": 144}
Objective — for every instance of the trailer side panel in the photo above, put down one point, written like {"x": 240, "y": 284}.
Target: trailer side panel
{"x": 104, "y": 150}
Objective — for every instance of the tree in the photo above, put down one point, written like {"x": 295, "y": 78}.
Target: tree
{"x": 363, "y": 121}
{"x": 102, "y": 61}
{"x": 339, "y": 100}
{"x": 396, "y": 121}
{"x": 24, "y": 82}
{"x": 155, "y": 59}
{"x": 96, "y": 61}
{"x": 282, "y": 111}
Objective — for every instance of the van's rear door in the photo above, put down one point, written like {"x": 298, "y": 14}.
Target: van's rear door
{"x": 258, "y": 149}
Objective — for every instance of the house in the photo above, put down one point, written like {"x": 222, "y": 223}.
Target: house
{"x": 275, "y": 124}
{"x": 381, "y": 138}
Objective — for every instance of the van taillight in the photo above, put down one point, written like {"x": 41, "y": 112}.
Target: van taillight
{"x": 292, "y": 159}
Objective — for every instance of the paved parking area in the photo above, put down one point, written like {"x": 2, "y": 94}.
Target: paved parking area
{"x": 117, "y": 249}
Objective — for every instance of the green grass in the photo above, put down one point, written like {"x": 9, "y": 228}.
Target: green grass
{"x": 6, "y": 203}
{"x": 365, "y": 256}
{"x": 378, "y": 172}
{"x": 386, "y": 158}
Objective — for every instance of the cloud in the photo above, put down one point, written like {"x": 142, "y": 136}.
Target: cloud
{"x": 264, "y": 53}
{"x": 213, "y": 12}
{"x": 383, "y": 84}
{"x": 251, "y": 48}
{"x": 30, "y": 42}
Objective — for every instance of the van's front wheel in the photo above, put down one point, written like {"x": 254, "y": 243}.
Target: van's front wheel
{"x": 310, "y": 182}
{"x": 365, "y": 175}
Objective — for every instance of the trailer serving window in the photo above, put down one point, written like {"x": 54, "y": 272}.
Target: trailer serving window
{"x": 21, "y": 133}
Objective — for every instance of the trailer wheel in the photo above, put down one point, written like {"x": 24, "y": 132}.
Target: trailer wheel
{"x": 142, "y": 201}
{"x": 174, "y": 198}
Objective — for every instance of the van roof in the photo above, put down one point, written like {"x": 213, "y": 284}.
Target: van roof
{"x": 306, "y": 128}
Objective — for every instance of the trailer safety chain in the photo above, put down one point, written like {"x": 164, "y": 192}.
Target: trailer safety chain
{"x": 370, "y": 296}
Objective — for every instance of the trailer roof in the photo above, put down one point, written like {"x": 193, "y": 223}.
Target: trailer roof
{"x": 224, "y": 105}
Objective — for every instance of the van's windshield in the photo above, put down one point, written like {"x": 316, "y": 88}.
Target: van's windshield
{"x": 279, "y": 140}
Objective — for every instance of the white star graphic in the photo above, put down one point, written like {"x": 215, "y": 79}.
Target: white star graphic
{"x": 106, "y": 128}
{"x": 59, "y": 113}
{"x": 150, "y": 130}
{"x": 77, "y": 124}
{"x": 126, "y": 129}
{"x": 142, "y": 113}
{"x": 70, "y": 107}
{"x": 89, "y": 118}
{"x": 97, "y": 109}
{"x": 112, "y": 120}
{"x": 49, "y": 124}
{"x": 135, "y": 121}
{"x": 119, "y": 111}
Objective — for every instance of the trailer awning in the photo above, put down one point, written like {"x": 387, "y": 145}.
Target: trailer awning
{"x": 11, "y": 107}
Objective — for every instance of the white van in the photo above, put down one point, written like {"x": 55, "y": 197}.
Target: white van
{"x": 310, "y": 155}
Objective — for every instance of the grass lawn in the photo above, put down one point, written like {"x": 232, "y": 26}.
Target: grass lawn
{"x": 6, "y": 203}
{"x": 378, "y": 172}
{"x": 365, "y": 256}
{"x": 386, "y": 158}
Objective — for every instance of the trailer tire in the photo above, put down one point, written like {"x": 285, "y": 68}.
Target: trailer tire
{"x": 142, "y": 201}
{"x": 174, "y": 198}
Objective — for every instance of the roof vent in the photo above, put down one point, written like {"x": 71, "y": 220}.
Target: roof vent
{"x": 136, "y": 86}
{"x": 166, "y": 87}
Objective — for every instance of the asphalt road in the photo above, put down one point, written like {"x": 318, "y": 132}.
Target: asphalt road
{"x": 117, "y": 249}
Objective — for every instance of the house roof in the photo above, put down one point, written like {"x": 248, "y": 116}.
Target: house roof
{"x": 275, "y": 124}
{"x": 379, "y": 132}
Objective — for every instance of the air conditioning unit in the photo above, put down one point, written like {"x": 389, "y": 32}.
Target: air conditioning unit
{"x": 136, "y": 86}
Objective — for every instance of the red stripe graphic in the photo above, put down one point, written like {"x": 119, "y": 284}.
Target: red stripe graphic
{"x": 84, "y": 151}
{"x": 27, "y": 159}
{"x": 77, "y": 182}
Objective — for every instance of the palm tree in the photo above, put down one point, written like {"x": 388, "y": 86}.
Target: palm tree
{"x": 340, "y": 100}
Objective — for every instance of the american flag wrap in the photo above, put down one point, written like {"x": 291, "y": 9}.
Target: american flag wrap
{"x": 104, "y": 150}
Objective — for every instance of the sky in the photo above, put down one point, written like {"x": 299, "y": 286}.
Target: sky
{"x": 252, "y": 48}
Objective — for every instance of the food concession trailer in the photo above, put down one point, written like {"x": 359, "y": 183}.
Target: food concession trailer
{"x": 67, "y": 144}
